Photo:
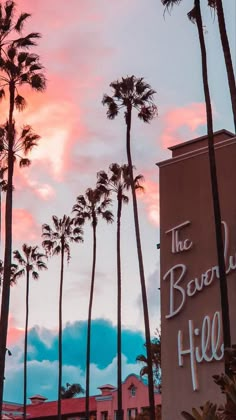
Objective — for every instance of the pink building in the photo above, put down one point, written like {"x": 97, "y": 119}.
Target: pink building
{"x": 135, "y": 399}
{"x": 102, "y": 406}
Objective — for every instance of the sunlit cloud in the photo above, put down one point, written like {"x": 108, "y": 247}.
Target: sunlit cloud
{"x": 14, "y": 333}
{"x": 25, "y": 227}
{"x": 181, "y": 122}
{"x": 150, "y": 198}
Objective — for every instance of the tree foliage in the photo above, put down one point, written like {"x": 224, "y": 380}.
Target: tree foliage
{"x": 71, "y": 391}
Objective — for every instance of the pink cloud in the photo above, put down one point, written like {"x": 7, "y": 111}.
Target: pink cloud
{"x": 71, "y": 59}
{"x": 150, "y": 198}
{"x": 25, "y": 227}
{"x": 176, "y": 121}
{"x": 14, "y": 334}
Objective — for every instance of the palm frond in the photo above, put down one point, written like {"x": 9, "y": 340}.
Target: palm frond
{"x": 125, "y": 199}
{"x": 170, "y": 3}
{"x": 147, "y": 113}
{"x": 20, "y": 102}
{"x": 19, "y": 258}
{"x": 27, "y": 41}
{"x": 22, "y": 56}
{"x": 11, "y": 52}
{"x": 20, "y": 21}
{"x": 38, "y": 82}
{"x": 35, "y": 275}
{"x": 25, "y": 131}
{"x": 9, "y": 12}
{"x": 2, "y": 94}
{"x": 29, "y": 142}
{"x": 192, "y": 15}
{"x": 46, "y": 230}
{"x": 107, "y": 215}
{"x": 67, "y": 252}
{"x": 16, "y": 274}
{"x": 24, "y": 162}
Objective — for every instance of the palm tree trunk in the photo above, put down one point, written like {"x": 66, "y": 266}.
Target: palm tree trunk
{"x": 227, "y": 56}
{"x": 214, "y": 186}
{"x": 141, "y": 268}
{"x": 0, "y": 221}
{"x": 26, "y": 341}
{"x": 120, "y": 413}
{"x": 89, "y": 324}
{"x": 60, "y": 335}
{"x": 8, "y": 247}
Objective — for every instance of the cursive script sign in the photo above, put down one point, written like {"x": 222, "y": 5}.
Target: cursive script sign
{"x": 210, "y": 348}
{"x": 178, "y": 273}
{"x": 199, "y": 343}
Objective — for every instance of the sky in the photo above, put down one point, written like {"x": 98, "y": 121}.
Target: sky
{"x": 84, "y": 47}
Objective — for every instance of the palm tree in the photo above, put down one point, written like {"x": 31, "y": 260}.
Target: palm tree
{"x": 133, "y": 93}
{"x": 17, "y": 68}
{"x": 71, "y": 391}
{"x": 218, "y": 6}
{"x": 23, "y": 144}
{"x": 57, "y": 241}
{"x": 118, "y": 182}
{"x": 91, "y": 206}
{"x": 195, "y": 16}
{"x": 156, "y": 360}
{"x": 30, "y": 261}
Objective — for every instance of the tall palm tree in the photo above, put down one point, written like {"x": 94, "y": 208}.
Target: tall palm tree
{"x": 30, "y": 261}
{"x": 22, "y": 144}
{"x": 17, "y": 68}
{"x": 117, "y": 181}
{"x": 195, "y": 16}
{"x": 71, "y": 391}
{"x": 56, "y": 241}
{"x": 91, "y": 206}
{"x": 218, "y": 6}
{"x": 133, "y": 93}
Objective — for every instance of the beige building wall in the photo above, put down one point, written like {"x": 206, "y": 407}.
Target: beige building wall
{"x": 192, "y": 346}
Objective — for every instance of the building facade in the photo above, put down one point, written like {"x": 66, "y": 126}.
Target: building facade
{"x": 192, "y": 342}
{"x": 102, "y": 406}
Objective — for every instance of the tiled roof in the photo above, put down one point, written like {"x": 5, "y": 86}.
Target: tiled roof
{"x": 69, "y": 406}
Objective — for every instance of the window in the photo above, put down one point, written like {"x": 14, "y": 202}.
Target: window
{"x": 104, "y": 415}
{"x": 132, "y": 413}
{"x": 133, "y": 391}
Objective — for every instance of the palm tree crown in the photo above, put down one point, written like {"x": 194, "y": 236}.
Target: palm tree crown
{"x": 134, "y": 92}
{"x": 31, "y": 260}
{"x": 22, "y": 145}
{"x": 18, "y": 68}
{"x": 118, "y": 182}
{"x": 63, "y": 233}
{"x": 92, "y": 205}
{"x": 9, "y": 24}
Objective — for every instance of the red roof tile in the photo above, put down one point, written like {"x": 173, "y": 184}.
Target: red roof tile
{"x": 70, "y": 406}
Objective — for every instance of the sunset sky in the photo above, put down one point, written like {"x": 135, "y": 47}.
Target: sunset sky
{"x": 86, "y": 45}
